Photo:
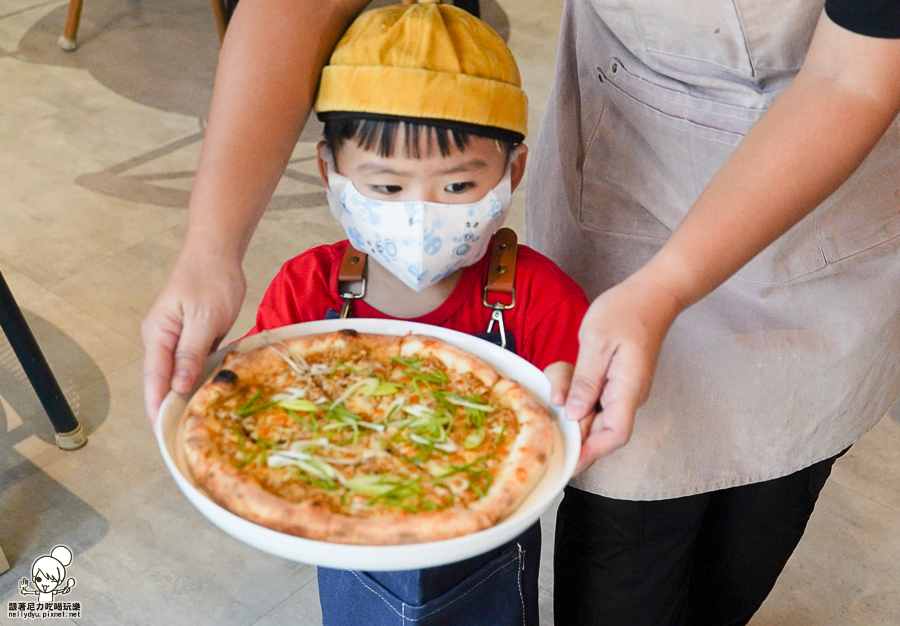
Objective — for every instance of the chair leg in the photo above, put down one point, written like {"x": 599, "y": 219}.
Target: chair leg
{"x": 69, "y": 434}
{"x": 67, "y": 40}
{"x": 4, "y": 564}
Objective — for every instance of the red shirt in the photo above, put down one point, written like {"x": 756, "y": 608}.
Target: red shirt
{"x": 544, "y": 321}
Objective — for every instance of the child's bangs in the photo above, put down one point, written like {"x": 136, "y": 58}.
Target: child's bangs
{"x": 382, "y": 135}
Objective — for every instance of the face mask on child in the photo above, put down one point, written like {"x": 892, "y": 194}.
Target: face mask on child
{"x": 418, "y": 242}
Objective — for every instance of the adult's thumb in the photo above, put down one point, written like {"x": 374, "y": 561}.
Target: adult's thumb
{"x": 587, "y": 382}
{"x": 194, "y": 344}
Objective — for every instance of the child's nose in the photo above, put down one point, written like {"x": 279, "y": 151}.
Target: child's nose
{"x": 431, "y": 195}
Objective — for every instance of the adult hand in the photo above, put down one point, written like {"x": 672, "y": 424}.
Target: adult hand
{"x": 560, "y": 376}
{"x": 195, "y": 309}
{"x": 265, "y": 84}
{"x": 620, "y": 339}
{"x": 803, "y": 147}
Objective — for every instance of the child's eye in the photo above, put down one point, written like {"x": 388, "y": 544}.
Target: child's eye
{"x": 387, "y": 190}
{"x": 458, "y": 187}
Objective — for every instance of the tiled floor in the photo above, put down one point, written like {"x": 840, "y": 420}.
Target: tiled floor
{"x": 97, "y": 153}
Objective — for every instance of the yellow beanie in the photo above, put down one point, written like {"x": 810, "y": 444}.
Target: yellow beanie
{"x": 426, "y": 62}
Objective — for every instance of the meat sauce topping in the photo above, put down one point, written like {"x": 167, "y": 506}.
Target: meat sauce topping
{"x": 364, "y": 436}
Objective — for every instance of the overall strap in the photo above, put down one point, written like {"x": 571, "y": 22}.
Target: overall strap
{"x": 352, "y": 270}
{"x": 501, "y": 280}
{"x": 502, "y": 270}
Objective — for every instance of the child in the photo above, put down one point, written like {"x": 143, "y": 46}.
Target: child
{"x": 424, "y": 119}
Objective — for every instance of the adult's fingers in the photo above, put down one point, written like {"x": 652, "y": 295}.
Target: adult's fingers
{"x": 618, "y": 347}
{"x": 589, "y": 375}
{"x": 159, "y": 333}
{"x": 610, "y": 428}
{"x": 175, "y": 351}
{"x": 197, "y": 340}
{"x": 196, "y": 307}
{"x": 560, "y": 376}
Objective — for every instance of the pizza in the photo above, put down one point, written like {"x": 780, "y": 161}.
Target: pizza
{"x": 367, "y": 439}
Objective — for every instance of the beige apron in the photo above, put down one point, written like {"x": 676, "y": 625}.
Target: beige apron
{"x": 795, "y": 357}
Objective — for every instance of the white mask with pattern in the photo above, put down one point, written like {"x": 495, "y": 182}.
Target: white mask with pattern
{"x": 418, "y": 242}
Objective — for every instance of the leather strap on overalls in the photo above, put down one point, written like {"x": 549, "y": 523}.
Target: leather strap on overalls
{"x": 351, "y": 272}
{"x": 501, "y": 280}
{"x": 499, "y": 286}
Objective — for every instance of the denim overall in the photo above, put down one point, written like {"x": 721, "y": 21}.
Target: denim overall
{"x": 497, "y": 588}
{"x": 795, "y": 357}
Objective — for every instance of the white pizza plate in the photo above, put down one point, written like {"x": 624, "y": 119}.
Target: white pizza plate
{"x": 373, "y": 558}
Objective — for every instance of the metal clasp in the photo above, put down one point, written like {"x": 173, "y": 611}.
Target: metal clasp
{"x": 349, "y": 296}
{"x": 497, "y": 314}
{"x": 498, "y": 305}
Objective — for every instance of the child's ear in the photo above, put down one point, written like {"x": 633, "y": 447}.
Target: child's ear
{"x": 517, "y": 165}
{"x": 323, "y": 167}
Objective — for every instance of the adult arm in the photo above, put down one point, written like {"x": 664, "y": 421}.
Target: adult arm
{"x": 268, "y": 71}
{"x": 809, "y": 142}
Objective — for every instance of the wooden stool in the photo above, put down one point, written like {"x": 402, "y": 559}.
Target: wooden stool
{"x": 67, "y": 41}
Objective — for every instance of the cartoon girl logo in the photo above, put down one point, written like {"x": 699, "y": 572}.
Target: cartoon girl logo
{"x": 48, "y": 573}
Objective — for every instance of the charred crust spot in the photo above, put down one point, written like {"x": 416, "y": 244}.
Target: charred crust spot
{"x": 225, "y": 376}
{"x": 350, "y": 332}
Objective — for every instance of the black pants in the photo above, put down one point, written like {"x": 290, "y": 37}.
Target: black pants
{"x": 704, "y": 560}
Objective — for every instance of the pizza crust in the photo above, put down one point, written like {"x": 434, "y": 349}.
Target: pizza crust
{"x": 243, "y": 495}
{"x": 530, "y": 454}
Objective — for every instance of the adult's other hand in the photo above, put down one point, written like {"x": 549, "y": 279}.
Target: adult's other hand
{"x": 620, "y": 339}
{"x": 195, "y": 309}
